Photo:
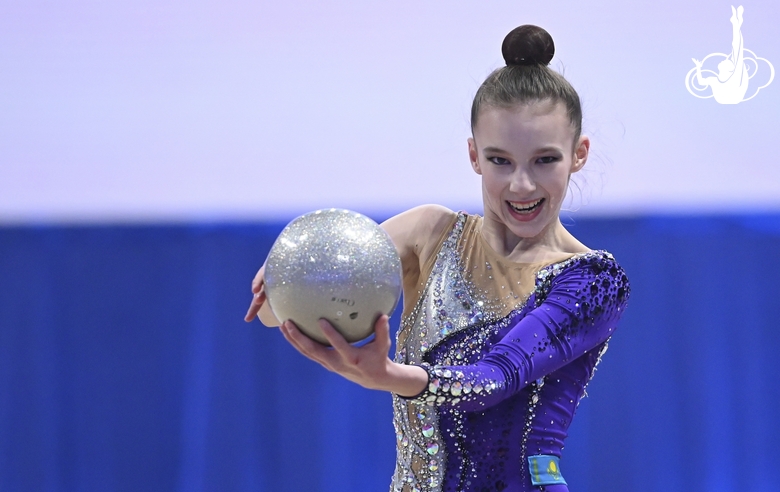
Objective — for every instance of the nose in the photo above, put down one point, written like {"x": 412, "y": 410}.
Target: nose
{"x": 522, "y": 181}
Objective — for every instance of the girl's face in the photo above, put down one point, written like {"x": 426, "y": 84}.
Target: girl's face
{"x": 525, "y": 157}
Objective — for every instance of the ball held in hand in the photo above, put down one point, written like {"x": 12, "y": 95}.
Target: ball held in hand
{"x": 334, "y": 264}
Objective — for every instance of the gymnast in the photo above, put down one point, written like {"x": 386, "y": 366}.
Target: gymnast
{"x": 506, "y": 315}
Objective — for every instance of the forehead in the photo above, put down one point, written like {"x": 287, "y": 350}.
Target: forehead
{"x": 539, "y": 123}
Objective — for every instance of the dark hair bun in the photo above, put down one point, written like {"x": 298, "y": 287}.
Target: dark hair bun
{"x": 528, "y": 45}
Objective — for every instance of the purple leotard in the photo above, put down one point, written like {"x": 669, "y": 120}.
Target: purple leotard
{"x": 506, "y": 372}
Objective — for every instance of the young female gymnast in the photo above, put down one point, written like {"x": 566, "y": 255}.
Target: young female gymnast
{"x": 505, "y": 316}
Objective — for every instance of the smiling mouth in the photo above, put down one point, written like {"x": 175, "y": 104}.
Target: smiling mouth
{"x": 526, "y": 209}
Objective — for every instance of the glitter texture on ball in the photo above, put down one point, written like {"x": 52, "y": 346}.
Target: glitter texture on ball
{"x": 334, "y": 264}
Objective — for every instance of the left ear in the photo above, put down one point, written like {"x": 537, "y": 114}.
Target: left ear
{"x": 474, "y": 156}
{"x": 581, "y": 150}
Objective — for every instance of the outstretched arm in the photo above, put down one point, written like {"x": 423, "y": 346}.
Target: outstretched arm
{"x": 578, "y": 315}
{"x": 368, "y": 365}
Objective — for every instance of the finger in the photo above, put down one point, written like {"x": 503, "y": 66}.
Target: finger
{"x": 381, "y": 340}
{"x": 305, "y": 345}
{"x": 254, "y": 306}
{"x": 382, "y": 330}
{"x": 335, "y": 338}
{"x": 285, "y": 329}
{"x": 257, "y": 282}
{"x": 292, "y": 336}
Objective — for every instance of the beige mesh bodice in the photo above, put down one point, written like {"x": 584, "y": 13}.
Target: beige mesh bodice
{"x": 501, "y": 284}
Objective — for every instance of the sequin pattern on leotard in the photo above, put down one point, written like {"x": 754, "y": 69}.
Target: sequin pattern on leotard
{"x": 473, "y": 400}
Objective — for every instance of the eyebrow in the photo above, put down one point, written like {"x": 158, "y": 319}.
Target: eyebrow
{"x": 494, "y": 149}
{"x": 538, "y": 151}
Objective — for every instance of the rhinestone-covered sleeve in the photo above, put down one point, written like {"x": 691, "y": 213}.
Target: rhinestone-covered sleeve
{"x": 577, "y": 310}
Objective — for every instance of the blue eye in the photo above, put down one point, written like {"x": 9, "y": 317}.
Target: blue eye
{"x": 500, "y": 161}
{"x": 547, "y": 159}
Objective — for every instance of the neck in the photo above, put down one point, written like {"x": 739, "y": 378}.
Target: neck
{"x": 553, "y": 242}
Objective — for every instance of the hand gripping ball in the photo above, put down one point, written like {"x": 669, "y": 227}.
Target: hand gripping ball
{"x": 334, "y": 264}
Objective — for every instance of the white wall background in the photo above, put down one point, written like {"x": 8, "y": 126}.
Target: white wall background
{"x": 151, "y": 110}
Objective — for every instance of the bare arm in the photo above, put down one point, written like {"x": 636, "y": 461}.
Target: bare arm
{"x": 368, "y": 365}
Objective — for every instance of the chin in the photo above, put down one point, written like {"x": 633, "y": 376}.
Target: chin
{"x": 532, "y": 228}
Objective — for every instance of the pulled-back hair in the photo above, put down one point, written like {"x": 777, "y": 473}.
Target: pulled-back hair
{"x": 527, "y": 79}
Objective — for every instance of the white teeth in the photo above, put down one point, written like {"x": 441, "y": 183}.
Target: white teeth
{"x": 526, "y": 208}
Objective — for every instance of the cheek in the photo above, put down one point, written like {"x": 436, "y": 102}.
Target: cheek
{"x": 491, "y": 188}
{"x": 557, "y": 184}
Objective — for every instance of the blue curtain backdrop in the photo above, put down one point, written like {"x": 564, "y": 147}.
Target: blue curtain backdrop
{"x": 125, "y": 366}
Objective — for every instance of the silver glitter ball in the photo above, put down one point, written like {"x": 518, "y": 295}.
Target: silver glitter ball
{"x": 334, "y": 264}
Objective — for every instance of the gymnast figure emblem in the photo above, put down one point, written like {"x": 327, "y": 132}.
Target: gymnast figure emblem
{"x": 729, "y": 84}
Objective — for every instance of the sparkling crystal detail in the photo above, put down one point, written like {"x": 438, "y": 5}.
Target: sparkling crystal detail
{"x": 427, "y": 430}
{"x": 456, "y": 388}
{"x": 434, "y": 385}
{"x": 432, "y": 448}
{"x": 454, "y": 299}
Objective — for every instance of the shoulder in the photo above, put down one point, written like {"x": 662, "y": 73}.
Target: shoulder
{"x": 424, "y": 213}
{"x": 593, "y": 260}
{"x": 594, "y": 271}
{"x": 591, "y": 286}
{"x": 598, "y": 260}
{"x": 416, "y": 234}
{"x": 416, "y": 230}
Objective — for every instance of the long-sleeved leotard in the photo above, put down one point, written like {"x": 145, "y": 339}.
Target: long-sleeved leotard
{"x": 506, "y": 370}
